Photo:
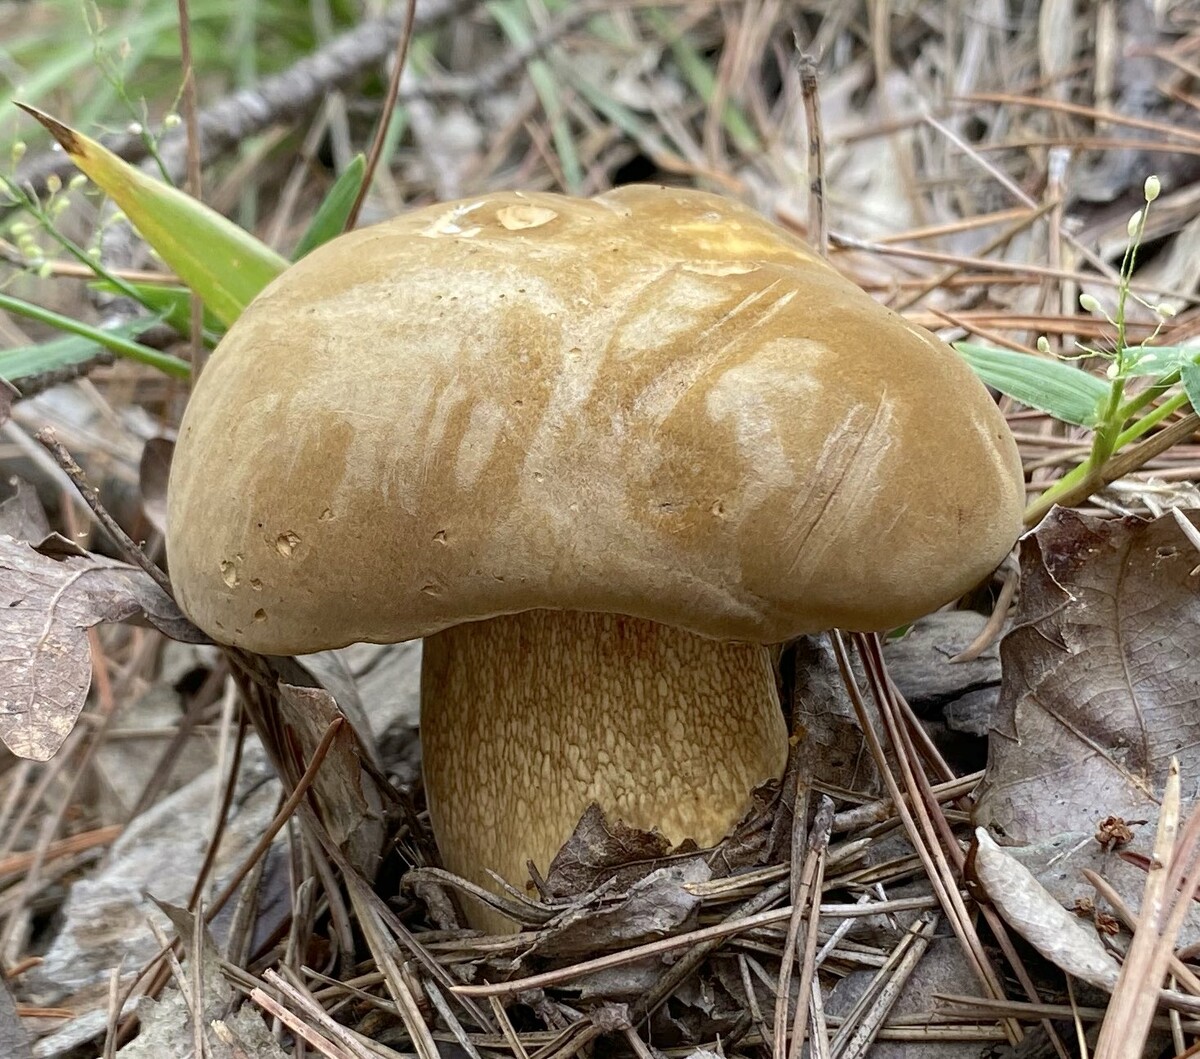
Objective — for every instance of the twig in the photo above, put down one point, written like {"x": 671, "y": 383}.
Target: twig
{"x": 1118, "y": 466}
{"x": 194, "y": 184}
{"x": 281, "y": 817}
{"x": 299, "y": 1027}
{"x": 1170, "y": 884}
{"x": 818, "y": 222}
{"x": 735, "y": 924}
{"x": 385, "y": 114}
{"x": 806, "y": 900}
{"x": 862, "y": 1024}
{"x": 122, "y": 539}
{"x": 196, "y": 961}
{"x": 931, "y": 855}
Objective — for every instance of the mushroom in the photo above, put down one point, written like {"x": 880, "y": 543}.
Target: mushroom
{"x": 599, "y": 453}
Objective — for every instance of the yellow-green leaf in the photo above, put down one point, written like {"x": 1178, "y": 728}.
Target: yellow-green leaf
{"x": 225, "y": 265}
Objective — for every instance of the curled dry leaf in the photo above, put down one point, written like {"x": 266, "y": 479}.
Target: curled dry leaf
{"x": 1034, "y": 913}
{"x": 611, "y": 854}
{"x": 598, "y": 849}
{"x": 51, "y": 595}
{"x": 1101, "y": 677}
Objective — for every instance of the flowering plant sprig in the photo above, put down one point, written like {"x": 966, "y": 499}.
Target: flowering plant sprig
{"x": 1064, "y": 390}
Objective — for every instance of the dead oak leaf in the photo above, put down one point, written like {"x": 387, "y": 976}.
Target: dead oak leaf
{"x": 1101, "y": 683}
{"x": 50, "y": 595}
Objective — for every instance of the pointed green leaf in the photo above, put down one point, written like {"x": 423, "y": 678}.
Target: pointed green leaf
{"x": 331, "y": 216}
{"x": 1051, "y": 386}
{"x": 219, "y": 261}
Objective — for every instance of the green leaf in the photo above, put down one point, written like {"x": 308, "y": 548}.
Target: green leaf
{"x": 1189, "y": 375}
{"x": 81, "y": 344}
{"x": 172, "y": 303}
{"x": 1051, "y": 386}
{"x": 330, "y": 219}
{"x": 1160, "y": 360}
{"x": 219, "y": 261}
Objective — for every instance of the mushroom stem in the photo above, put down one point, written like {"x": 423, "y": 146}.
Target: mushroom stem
{"x": 527, "y": 719}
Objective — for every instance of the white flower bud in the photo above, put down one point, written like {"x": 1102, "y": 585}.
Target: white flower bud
{"x": 1152, "y": 188}
{"x": 1089, "y": 303}
{"x": 1135, "y": 222}
{"x": 1164, "y": 310}
{"x": 1043, "y": 344}
{"x": 54, "y": 183}
{"x": 171, "y": 121}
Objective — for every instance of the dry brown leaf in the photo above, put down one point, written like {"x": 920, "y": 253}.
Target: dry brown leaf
{"x": 50, "y": 596}
{"x": 597, "y": 848}
{"x": 653, "y": 907}
{"x": 1034, "y": 913}
{"x": 22, "y": 516}
{"x": 1101, "y": 677}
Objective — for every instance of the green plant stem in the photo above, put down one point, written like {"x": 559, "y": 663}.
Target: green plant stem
{"x": 1151, "y": 419}
{"x": 1149, "y": 395}
{"x": 122, "y": 347}
{"x": 1086, "y": 479}
{"x": 1104, "y": 441}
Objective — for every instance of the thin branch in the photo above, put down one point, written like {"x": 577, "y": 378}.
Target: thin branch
{"x": 127, "y": 544}
{"x": 286, "y": 98}
{"x": 818, "y": 220}
{"x": 385, "y": 115}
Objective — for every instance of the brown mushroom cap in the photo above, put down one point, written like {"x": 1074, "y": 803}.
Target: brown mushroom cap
{"x": 651, "y": 403}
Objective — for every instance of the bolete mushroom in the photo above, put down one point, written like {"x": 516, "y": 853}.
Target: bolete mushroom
{"x": 598, "y": 453}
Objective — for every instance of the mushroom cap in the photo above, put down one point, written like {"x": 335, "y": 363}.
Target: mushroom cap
{"x": 652, "y": 403}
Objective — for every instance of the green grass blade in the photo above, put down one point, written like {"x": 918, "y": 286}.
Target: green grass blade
{"x": 700, "y": 76}
{"x": 172, "y": 304}
{"x": 1051, "y": 386}
{"x": 81, "y": 344}
{"x": 511, "y": 20}
{"x": 220, "y": 262}
{"x": 330, "y": 218}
